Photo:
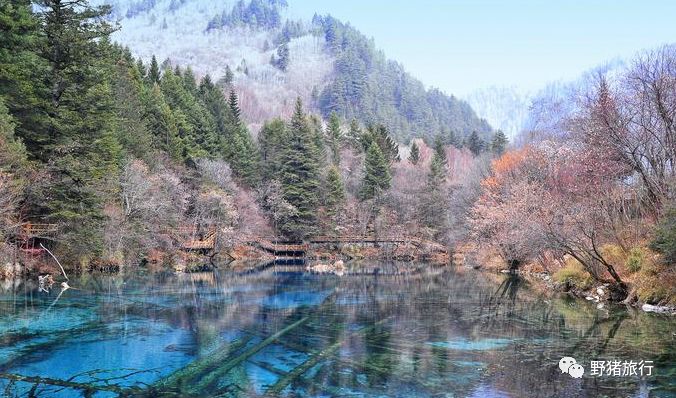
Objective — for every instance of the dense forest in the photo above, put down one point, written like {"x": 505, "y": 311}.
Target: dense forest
{"x": 372, "y": 88}
{"x": 364, "y": 84}
{"x": 122, "y": 155}
{"x": 119, "y": 153}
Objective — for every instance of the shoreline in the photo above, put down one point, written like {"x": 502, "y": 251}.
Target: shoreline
{"x": 245, "y": 258}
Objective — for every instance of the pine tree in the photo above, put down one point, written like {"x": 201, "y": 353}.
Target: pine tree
{"x": 240, "y": 148}
{"x": 281, "y": 62}
{"x": 161, "y": 122}
{"x": 354, "y": 134}
{"x": 379, "y": 135}
{"x": 13, "y": 155}
{"x": 213, "y": 99}
{"x": 499, "y": 143}
{"x": 143, "y": 71}
{"x": 82, "y": 153}
{"x": 299, "y": 176}
{"x": 234, "y": 107}
{"x": 475, "y": 144}
{"x": 22, "y": 72}
{"x": 189, "y": 81}
{"x": 414, "y": 156}
{"x": 377, "y": 178}
{"x": 453, "y": 139}
{"x": 229, "y": 77}
{"x": 440, "y": 149}
{"x": 245, "y": 160}
{"x": 195, "y": 124}
{"x": 154, "y": 71}
{"x": 318, "y": 136}
{"x": 335, "y": 136}
{"x": 271, "y": 140}
{"x": 335, "y": 193}
{"x": 131, "y": 129}
{"x": 13, "y": 162}
{"x": 433, "y": 206}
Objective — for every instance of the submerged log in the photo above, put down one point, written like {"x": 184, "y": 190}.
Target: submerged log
{"x": 326, "y": 353}
{"x": 211, "y": 379}
{"x": 122, "y": 391}
{"x": 200, "y": 367}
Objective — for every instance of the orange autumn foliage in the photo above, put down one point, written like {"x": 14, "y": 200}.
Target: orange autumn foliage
{"x": 504, "y": 168}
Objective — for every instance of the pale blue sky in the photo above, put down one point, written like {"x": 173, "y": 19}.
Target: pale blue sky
{"x": 463, "y": 45}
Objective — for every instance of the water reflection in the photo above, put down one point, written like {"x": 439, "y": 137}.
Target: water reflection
{"x": 393, "y": 330}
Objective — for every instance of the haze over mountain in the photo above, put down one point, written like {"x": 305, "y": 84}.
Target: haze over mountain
{"x": 328, "y": 63}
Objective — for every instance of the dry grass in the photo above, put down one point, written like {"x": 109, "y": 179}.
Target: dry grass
{"x": 574, "y": 274}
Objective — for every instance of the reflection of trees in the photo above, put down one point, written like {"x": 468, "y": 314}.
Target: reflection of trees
{"x": 372, "y": 333}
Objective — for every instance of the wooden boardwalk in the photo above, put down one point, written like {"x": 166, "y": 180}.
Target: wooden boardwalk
{"x": 197, "y": 241}
{"x": 32, "y": 231}
{"x": 30, "y": 236}
{"x": 274, "y": 246}
{"x": 280, "y": 247}
{"x": 193, "y": 239}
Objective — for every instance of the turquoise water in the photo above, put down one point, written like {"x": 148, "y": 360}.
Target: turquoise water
{"x": 435, "y": 332}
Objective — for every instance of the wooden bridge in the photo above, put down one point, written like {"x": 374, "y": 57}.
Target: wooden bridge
{"x": 32, "y": 233}
{"x": 294, "y": 249}
{"x": 280, "y": 247}
{"x": 277, "y": 247}
{"x": 197, "y": 241}
{"x": 374, "y": 239}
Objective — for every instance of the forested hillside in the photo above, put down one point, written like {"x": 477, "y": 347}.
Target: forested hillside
{"x": 273, "y": 59}
{"x": 128, "y": 158}
{"x": 122, "y": 155}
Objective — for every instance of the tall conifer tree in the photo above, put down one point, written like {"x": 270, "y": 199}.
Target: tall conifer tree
{"x": 299, "y": 176}
{"x": 377, "y": 178}
{"x": 414, "y": 156}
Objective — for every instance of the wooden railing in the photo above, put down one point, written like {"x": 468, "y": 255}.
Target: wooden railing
{"x": 205, "y": 242}
{"x": 416, "y": 241}
{"x": 269, "y": 245}
{"x": 30, "y": 230}
{"x": 276, "y": 246}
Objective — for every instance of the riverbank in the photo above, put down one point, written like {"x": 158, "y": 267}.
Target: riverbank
{"x": 650, "y": 285}
{"x": 197, "y": 261}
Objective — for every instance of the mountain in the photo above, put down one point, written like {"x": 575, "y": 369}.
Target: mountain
{"x": 328, "y": 63}
{"x": 505, "y": 108}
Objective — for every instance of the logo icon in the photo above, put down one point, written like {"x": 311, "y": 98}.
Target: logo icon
{"x": 569, "y": 365}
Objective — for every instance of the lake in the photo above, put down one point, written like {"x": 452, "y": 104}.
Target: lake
{"x": 388, "y": 330}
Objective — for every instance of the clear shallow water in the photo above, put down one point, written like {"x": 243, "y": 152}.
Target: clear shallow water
{"x": 282, "y": 332}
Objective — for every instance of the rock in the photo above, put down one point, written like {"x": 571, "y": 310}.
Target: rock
{"x": 337, "y": 268}
{"x": 600, "y": 291}
{"x": 659, "y": 309}
{"x": 45, "y": 279}
{"x": 319, "y": 267}
{"x": 589, "y": 298}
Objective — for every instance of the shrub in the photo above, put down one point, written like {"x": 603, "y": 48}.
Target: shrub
{"x": 665, "y": 236}
{"x": 635, "y": 260}
{"x": 614, "y": 254}
{"x": 574, "y": 274}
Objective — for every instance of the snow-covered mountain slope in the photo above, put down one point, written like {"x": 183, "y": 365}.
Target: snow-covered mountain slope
{"x": 332, "y": 66}
{"x": 175, "y": 31}
{"x": 505, "y": 108}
